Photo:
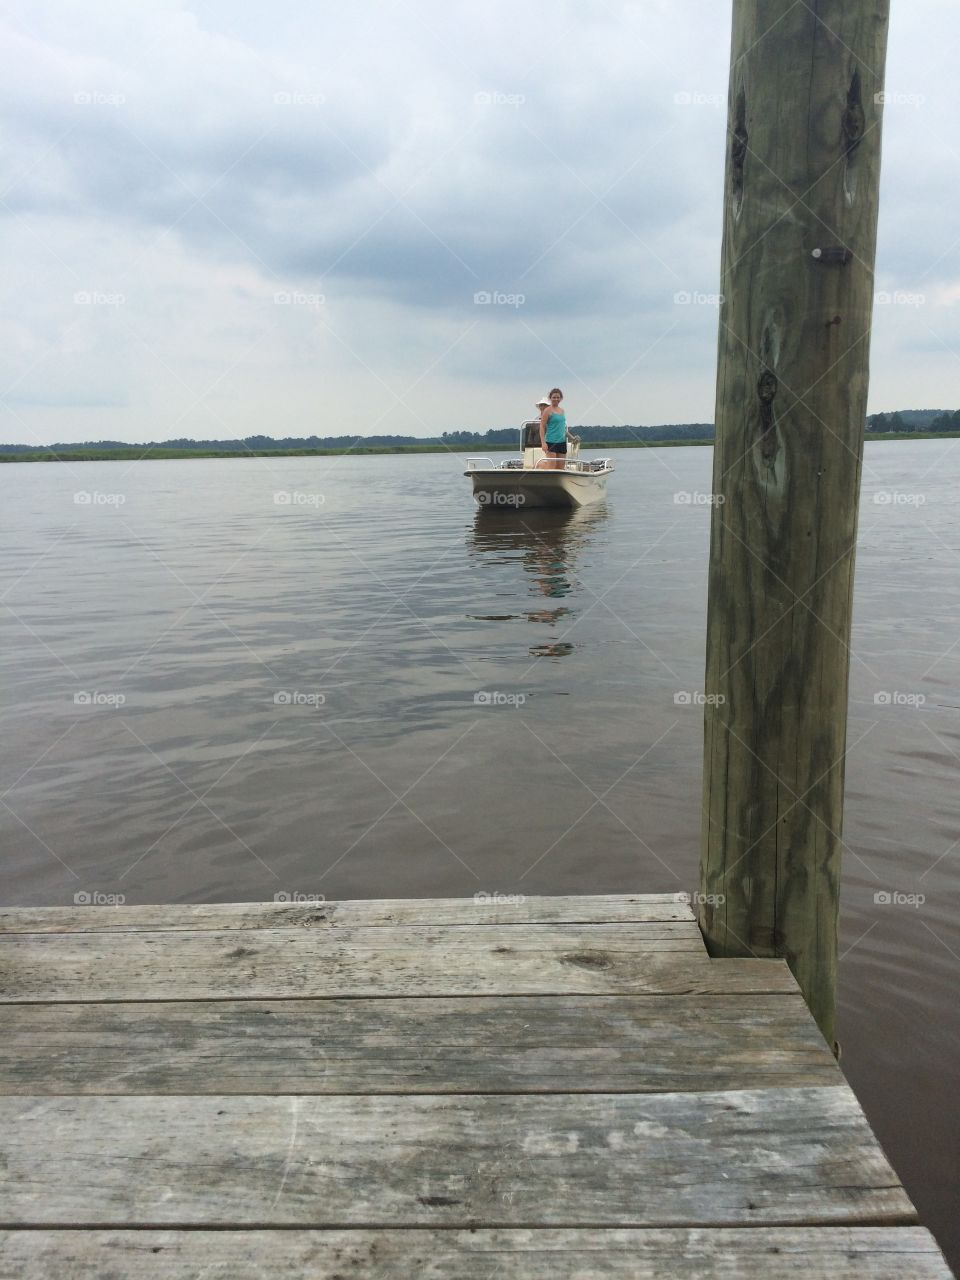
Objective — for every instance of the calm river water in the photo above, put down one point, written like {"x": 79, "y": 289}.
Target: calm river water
{"x": 225, "y": 680}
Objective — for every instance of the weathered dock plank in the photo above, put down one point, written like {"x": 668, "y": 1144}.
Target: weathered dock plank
{"x": 485, "y": 908}
{"x": 732, "y": 1253}
{"x": 395, "y": 961}
{"x": 489, "y": 1044}
{"x": 769, "y": 1157}
{"x": 399, "y": 1089}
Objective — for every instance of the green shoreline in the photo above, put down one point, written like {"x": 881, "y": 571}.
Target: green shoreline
{"x": 137, "y": 454}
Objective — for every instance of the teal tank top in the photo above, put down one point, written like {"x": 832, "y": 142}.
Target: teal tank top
{"x": 556, "y": 428}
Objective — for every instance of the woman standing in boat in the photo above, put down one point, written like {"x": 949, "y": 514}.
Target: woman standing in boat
{"x": 554, "y": 433}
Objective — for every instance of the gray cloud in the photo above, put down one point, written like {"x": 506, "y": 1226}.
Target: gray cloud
{"x": 396, "y": 160}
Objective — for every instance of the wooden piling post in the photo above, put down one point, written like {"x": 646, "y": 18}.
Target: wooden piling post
{"x": 799, "y": 237}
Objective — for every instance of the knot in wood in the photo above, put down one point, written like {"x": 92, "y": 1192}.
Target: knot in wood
{"x": 587, "y": 959}
{"x": 767, "y": 386}
{"x": 854, "y": 123}
{"x": 738, "y": 149}
{"x": 766, "y": 391}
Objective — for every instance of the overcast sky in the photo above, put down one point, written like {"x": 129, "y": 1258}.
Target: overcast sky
{"x": 227, "y": 218}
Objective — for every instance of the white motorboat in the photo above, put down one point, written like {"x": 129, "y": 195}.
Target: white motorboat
{"x": 527, "y": 481}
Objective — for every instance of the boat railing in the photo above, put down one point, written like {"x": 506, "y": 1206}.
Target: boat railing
{"x": 590, "y": 464}
{"x": 579, "y": 465}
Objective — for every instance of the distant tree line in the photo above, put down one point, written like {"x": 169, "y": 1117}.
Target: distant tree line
{"x": 501, "y": 437}
{"x": 589, "y": 435}
{"x": 904, "y": 421}
{"x": 888, "y": 422}
{"x": 945, "y": 422}
{"x": 908, "y": 420}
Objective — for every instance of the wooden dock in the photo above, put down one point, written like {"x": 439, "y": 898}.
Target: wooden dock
{"x": 556, "y": 1088}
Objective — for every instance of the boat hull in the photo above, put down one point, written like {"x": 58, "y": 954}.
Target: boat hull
{"x": 511, "y": 490}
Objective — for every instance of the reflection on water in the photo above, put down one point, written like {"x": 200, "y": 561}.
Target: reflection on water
{"x": 547, "y": 543}
{"x": 558, "y": 649}
{"x": 545, "y": 615}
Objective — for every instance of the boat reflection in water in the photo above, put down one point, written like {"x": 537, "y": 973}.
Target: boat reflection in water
{"x": 547, "y": 542}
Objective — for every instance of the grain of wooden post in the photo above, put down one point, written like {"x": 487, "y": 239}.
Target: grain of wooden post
{"x": 799, "y": 236}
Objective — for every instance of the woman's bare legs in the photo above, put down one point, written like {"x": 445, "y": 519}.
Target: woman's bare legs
{"x": 552, "y": 461}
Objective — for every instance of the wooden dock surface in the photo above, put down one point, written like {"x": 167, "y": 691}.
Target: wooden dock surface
{"x": 558, "y": 1088}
